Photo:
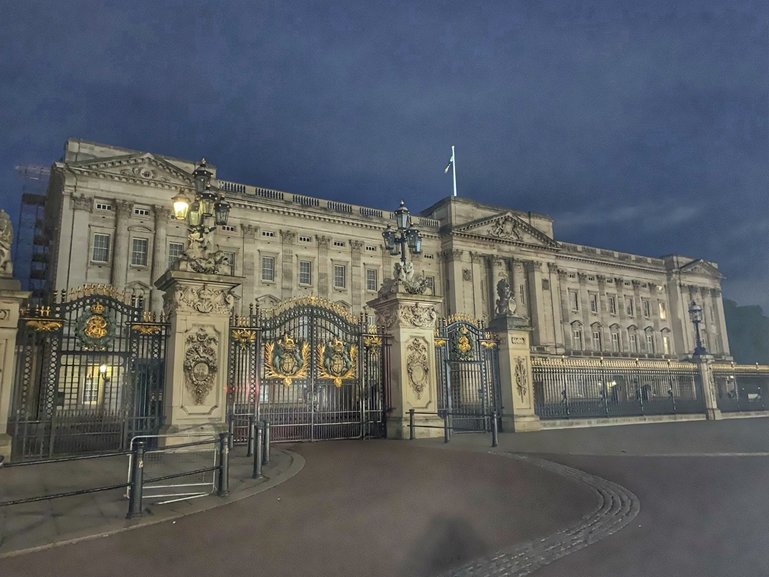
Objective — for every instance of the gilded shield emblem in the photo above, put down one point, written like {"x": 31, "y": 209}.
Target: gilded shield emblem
{"x": 336, "y": 361}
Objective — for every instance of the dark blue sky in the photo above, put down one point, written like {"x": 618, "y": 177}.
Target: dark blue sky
{"x": 638, "y": 126}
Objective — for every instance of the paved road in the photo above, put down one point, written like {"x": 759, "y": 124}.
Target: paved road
{"x": 700, "y": 517}
{"x": 358, "y": 508}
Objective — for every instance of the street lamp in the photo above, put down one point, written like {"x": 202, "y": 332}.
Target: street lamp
{"x": 207, "y": 204}
{"x": 695, "y": 314}
{"x": 406, "y": 235}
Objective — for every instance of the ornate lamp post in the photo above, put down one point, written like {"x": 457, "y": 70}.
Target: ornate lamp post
{"x": 695, "y": 314}
{"x": 405, "y": 235}
{"x": 208, "y": 204}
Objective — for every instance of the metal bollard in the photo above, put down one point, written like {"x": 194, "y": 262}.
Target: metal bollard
{"x": 224, "y": 465}
{"x": 412, "y": 435}
{"x": 251, "y": 435}
{"x": 137, "y": 481}
{"x": 494, "y": 430}
{"x": 257, "y": 473}
{"x": 231, "y": 429}
{"x": 266, "y": 441}
{"x": 446, "y": 428}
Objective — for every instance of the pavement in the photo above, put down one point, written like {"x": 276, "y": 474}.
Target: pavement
{"x": 539, "y": 502}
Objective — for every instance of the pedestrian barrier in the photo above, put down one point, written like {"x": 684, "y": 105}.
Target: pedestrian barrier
{"x": 448, "y": 426}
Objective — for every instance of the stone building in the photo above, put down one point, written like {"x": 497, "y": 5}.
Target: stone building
{"x": 109, "y": 220}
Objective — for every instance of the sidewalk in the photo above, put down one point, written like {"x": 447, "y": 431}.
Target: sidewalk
{"x": 44, "y": 524}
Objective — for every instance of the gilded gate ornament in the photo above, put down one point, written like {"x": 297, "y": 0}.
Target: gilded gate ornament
{"x": 94, "y": 329}
{"x": 336, "y": 361}
{"x": 286, "y": 359}
{"x": 200, "y": 364}
{"x": 462, "y": 345}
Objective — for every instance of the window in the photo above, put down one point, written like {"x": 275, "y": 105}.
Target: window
{"x": 339, "y": 243}
{"x": 372, "y": 280}
{"x": 370, "y": 248}
{"x": 646, "y": 307}
{"x": 665, "y": 344}
{"x": 231, "y": 261}
{"x": 175, "y": 250}
{"x": 227, "y": 227}
{"x": 139, "y": 248}
{"x": 305, "y": 272}
{"x": 576, "y": 334}
{"x": 597, "y": 338}
{"x": 303, "y": 238}
{"x": 103, "y": 206}
{"x": 612, "y": 299}
{"x": 629, "y": 309}
{"x": 100, "y": 248}
{"x": 615, "y": 341}
{"x": 340, "y": 276}
{"x": 522, "y": 294}
{"x": 593, "y": 302}
{"x": 268, "y": 233}
{"x": 138, "y": 211}
{"x": 268, "y": 268}
{"x": 632, "y": 339}
{"x": 663, "y": 310}
{"x": 650, "y": 348}
{"x": 574, "y": 300}
{"x": 545, "y": 284}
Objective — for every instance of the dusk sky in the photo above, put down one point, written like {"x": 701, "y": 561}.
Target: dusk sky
{"x": 641, "y": 126}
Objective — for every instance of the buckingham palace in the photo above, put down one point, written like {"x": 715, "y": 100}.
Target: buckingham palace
{"x": 110, "y": 222}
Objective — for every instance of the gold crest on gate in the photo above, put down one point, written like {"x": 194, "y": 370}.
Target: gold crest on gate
{"x": 286, "y": 359}
{"x": 336, "y": 361}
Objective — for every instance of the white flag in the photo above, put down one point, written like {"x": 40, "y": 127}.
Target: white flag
{"x": 451, "y": 162}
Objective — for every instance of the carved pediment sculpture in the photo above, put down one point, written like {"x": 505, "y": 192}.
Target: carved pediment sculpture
{"x": 6, "y": 237}
{"x": 143, "y": 168}
{"x": 507, "y": 227}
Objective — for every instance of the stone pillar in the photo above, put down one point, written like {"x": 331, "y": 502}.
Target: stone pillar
{"x": 120, "y": 255}
{"x": 74, "y": 255}
{"x": 159, "y": 253}
{"x": 287, "y": 264}
{"x": 198, "y": 307}
{"x": 324, "y": 262}
{"x": 705, "y": 366}
{"x": 554, "y": 278}
{"x": 721, "y": 320}
{"x": 409, "y": 319}
{"x": 10, "y": 301}
{"x": 517, "y": 389}
{"x": 356, "y": 274}
{"x": 533, "y": 271}
{"x": 454, "y": 296}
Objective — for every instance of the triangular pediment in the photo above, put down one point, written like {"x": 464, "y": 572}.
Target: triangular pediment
{"x": 139, "y": 168}
{"x": 701, "y": 267}
{"x": 507, "y": 227}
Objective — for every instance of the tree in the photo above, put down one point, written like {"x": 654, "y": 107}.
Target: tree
{"x": 748, "y": 331}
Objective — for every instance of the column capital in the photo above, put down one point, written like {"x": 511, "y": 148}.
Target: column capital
{"x": 356, "y": 245}
{"x": 123, "y": 208}
{"x": 288, "y": 236}
{"x": 81, "y": 202}
{"x": 162, "y": 214}
{"x": 323, "y": 241}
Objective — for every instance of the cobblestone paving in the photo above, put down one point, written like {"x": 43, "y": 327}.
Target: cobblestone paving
{"x": 616, "y": 508}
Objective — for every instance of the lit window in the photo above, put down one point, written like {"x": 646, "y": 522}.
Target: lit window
{"x": 139, "y": 248}
{"x": 175, "y": 250}
{"x": 305, "y": 272}
{"x": 268, "y": 268}
{"x": 663, "y": 310}
{"x": 372, "y": 280}
{"x": 666, "y": 344}
{"x": 340, "y": 276}
{"x": 100, "y": 248}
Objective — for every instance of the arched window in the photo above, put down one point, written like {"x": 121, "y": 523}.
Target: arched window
{"x": 651, "y": 347}
{"x": 576, "y": 336}
{"x": 616, "y": 345}
{"x": 597, "y": 333}
{"x": 666, "y": 349}
{"x": 632, "y": 339}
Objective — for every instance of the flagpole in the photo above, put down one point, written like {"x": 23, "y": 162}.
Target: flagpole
{"x": 454, "y": 168}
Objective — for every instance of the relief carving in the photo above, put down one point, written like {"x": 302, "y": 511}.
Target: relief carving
{"x": 506, "y": 228}
{"x": 521, "y": 377}
{"x": 200, "y": 364}
{"x": 6, "y": 237}
{"x": 418, "y": 365}
{"x": 202, "y": 299}
{"x": 418, "y": 316}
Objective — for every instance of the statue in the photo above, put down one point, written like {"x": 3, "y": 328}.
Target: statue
{"x": 6, "y": 236}
{"x": 506, "y": 302}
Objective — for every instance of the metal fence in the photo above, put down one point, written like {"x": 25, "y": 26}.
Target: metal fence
{"x": 575, "y": 387}
{"x": 741, "y": 387}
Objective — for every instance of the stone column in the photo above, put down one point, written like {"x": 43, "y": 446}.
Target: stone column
{"x": 323, "y": 267}
{"x": 478, "y": 261}
{"x": 517, "y": 389}
{"x": 120, "y": 253}
{"x": 159, "y": 253}
{"x": 718, "y": 306}
{"x": 10, "y": 301}
{"x": 356, "y": 274}
{"x": 287, "y": 264}
{"x": 536, "y": 310}
{"x": 198, "y": 307}
{"x": 705, "y": 366}
{"x": 74, "y": 259}
{"x": 409, "y": 320}
{"x": 452, "y": 259}
{"x": 556, "y": 326}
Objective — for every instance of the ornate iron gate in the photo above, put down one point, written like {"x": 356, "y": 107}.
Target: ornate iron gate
{"x": 89, "y": 374}
{"x": 321, "y": 372}
{"x": 468, "y": 372}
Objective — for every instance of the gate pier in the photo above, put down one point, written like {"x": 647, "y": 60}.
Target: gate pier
{"x": 10, "y": 302}
{"x": 516, "y": 384}
{"x": 198, "y": 307}
{"x": 409, "y": 319}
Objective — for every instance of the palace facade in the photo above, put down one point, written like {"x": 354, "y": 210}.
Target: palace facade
{"x": 109, "y": 221}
